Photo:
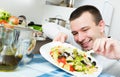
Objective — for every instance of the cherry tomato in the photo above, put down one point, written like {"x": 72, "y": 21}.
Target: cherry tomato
{"x": 72, "y": 68}
{"x": 62, "y": 60}
{"x": 3, "y": 21}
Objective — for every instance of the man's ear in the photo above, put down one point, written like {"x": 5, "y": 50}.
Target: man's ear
{"x": 102, "y": 25}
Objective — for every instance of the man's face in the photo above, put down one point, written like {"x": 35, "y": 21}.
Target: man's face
{"x": 85, "y": 31}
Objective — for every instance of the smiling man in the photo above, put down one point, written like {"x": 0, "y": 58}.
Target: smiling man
{"x": 86, "y": 25}
{"x": 87, "y": 28}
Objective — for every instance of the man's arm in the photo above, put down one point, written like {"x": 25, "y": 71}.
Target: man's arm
{"x": 58, "y": 33}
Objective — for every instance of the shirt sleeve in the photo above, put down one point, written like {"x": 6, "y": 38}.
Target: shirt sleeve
{"x": 52, "y": 29}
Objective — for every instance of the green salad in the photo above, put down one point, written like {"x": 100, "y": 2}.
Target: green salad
{"x": 73, "y": 60}
{"x": 4, "y": 15}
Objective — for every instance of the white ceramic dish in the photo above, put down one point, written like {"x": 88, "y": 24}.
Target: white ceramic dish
{"x": 45, "y": 52}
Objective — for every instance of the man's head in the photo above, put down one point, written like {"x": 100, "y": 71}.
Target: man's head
{"x": 86, "y": 25}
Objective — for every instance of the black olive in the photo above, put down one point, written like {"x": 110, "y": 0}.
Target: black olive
{"x": 94, "y": 63}
{"x": 66, "y": 54}
{"x": 82, "y": 61}
{"x": 61, "y": 56}
{"x": 89, "y": 58}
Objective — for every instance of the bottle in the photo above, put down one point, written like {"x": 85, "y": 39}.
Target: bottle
{"x": 9, "y": 60}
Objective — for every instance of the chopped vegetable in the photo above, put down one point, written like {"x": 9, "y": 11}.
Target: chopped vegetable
{"x": 13, "y": 20}
{"x": 4, "y": 15}
{"x": 36, "y": 27}
{"x": 7, "y": 19}
{"x": 73, "y": 60}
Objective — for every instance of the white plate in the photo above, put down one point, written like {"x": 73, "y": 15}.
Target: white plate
{"x": 45, "y": 52}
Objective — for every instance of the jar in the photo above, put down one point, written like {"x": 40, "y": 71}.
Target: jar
{"x": 15, "y": 44}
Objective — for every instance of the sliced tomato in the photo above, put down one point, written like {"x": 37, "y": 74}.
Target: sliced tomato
{"x": 62, "y": 60}
{"x": 3, "y": 21}
{"x": 72, "y": 68}
{"x": 51, "y": 53}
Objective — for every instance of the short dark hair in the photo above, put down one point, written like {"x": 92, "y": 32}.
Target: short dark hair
{"x": 86, "y": 8}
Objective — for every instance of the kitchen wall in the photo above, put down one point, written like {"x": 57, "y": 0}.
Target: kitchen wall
{"x": 115, "y": 24}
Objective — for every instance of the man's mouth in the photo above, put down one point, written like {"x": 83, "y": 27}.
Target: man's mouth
{"x": 85, "y": 45}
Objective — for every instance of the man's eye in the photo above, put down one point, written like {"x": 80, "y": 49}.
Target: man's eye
{"x": 74, "y": 33}
{"x": 84, "y": 30}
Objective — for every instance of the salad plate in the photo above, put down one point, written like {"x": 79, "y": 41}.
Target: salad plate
{"x": 93, "y": 64}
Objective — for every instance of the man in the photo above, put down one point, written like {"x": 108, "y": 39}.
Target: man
{"x": 87, "y": 27}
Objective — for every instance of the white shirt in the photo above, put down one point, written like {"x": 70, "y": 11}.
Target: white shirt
{"x": 52, "y": 29}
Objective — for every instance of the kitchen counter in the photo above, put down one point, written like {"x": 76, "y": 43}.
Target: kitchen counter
{"x": 39, "y": 43}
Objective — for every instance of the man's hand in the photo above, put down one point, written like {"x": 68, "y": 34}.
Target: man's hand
{"x": 107, "y": 47}
{"x": 61, "y": 37}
